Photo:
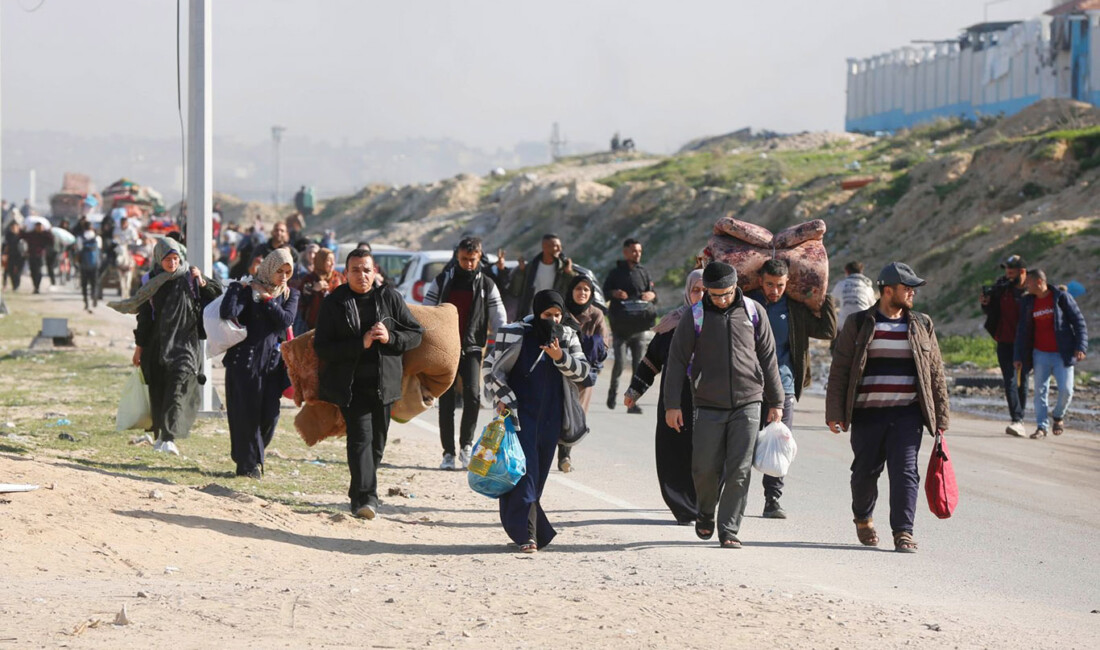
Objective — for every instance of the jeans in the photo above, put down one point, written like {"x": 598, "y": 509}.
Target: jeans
{"x": 636, "y": 343}
{"x": 1015, "y": 394}
{"x": 469, "y": 370}
{"x": 1048, "y": 364}
{"x": 887, "y": 437}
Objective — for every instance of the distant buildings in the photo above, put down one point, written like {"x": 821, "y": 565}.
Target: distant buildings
{"x": 991, "y": 68}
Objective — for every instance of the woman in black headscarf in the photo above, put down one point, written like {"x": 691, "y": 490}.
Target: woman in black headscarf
{"x": 595, "y": 339}
{"x": 532, "y": 371}
{"x": 673, "y": 448}
{"x": 169, "y": 325}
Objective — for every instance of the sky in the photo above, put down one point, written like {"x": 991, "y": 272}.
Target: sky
{"x": 489, "y": 73}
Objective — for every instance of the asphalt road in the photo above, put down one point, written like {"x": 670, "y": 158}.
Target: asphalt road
{"x": 1022, "y": 543}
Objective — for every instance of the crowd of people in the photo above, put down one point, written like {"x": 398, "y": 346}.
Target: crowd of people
{"x": 535, "y": 337}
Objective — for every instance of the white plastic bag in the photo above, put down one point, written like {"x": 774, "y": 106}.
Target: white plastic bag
{"x": 134, "y": 410}
{"x": 775, "y": 449}
{"x": 221, "y": 334}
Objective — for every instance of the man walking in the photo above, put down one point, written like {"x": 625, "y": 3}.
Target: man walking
{"x": 547, "y": 271}
{"x": 887, "y": 383}
{"x": 362, "y": 331}
{"x": 1001, "y": 305}
{"x": 632, "y": 312}
{"x": 793, "y": 325}
{"x": 38, "y": 241}
{"x": 1052, "y": 338}
{"x": 88, "y": 258}
{"x": 854, "y": 293}
{"x": 465, "y": 285}
{"x": 729, "y": 350}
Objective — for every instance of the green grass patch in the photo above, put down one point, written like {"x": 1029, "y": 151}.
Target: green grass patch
{"x": 890, "y": 195}
{"x": 980, "y": 350}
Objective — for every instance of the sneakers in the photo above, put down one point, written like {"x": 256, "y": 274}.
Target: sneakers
{"x": 448, "y": 462}
{"x": 365, "y": 511}
{"x": 167, "y": 447}
{"x": 464, "y": 456}
{"x": 1039, "y": 433}
{"x": 158, "y": 446}
{"x": 1015, "y": 429}
{"x": 772, "y": 510}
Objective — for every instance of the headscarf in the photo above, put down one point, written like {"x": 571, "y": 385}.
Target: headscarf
{"x": 672, "y": 319}
{"x": 157, "y": 278}
{"x": 545, "y": 300}
{"x": 321, "y": 254}
{"x": 575, "y": 308}
{"x": 264, "y": 280}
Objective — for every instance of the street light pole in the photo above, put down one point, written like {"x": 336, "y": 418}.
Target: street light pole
{"x": 277, "y": 137}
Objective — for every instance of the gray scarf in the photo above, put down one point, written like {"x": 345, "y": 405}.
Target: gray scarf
{"x": 157, "y": 279}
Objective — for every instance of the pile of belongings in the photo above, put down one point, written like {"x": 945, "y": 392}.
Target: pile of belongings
{"x": 429, "y": 370}
{"x": 746, "y": 246}
{"x": 125, "y": 192}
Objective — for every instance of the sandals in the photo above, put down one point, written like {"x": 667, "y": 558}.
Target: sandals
{"x": 1058, "y": 427}
{"x": 865, "y": 531}
{"x": 529, "y": 547}
{"x": 704, "y": 528}
{"x": 1039, "y": 434}
{"x": 904, "y": 542}
{"x": 730, "y": 542}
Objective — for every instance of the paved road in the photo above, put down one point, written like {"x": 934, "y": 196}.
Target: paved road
{"x": 1022, "y": 541}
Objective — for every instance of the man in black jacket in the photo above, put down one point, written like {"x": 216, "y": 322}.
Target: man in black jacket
{"x": 1001, "y": 305}
{"x": 362, "y": 331}
{"x": 633, "y": 309}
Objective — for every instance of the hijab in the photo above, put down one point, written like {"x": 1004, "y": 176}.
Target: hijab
{"x": 672, "y": 319}
{"x": 544, "y": 300}
{"x": 157, "y": 278}
{"x": 320, "y": 255}
{"x": 264, "y": 280}
{"x": 575, "y": 308}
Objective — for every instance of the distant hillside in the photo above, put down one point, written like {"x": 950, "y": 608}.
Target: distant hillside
{"x": 951, "y": 199}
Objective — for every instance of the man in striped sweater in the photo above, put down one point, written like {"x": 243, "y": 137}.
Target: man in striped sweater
{"x": 887, "y": 382}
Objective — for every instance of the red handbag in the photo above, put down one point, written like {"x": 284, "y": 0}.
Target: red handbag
{"x": 939, "y": 483}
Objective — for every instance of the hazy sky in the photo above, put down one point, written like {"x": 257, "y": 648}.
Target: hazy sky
{"x": 488, "y": 73}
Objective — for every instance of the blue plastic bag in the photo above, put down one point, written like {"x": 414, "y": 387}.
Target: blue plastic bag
{"x": 498, "y": 462}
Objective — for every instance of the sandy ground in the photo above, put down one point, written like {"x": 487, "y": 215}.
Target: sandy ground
{"x": 216, "y": 568}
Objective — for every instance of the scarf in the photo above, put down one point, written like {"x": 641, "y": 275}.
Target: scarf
{"x": 545, "y": 328}
{"x": 264, "y": 280}
{"x": 575, "y": 308}
{"x": 157, "y": 278}
{"x": 672, "y": 319}
{"x": 320, "y": 256}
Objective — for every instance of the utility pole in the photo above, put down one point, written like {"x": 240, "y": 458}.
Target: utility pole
{"x": 557, "y": 143}
{"x": 277, "y": 137}
{"x": 200, "y": 161}
{"x": 3, "y": 307}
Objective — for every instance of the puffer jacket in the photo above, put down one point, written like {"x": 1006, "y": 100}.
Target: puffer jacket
{"x": 850, "y": 358}
{"x": 1070, "y": 329}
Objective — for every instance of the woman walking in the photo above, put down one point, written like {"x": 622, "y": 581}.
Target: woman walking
{"x": 532, "y": 371}
{"x": 319, "y": 283}
{"x": 255, "y": 376}
{"x": 673, "y": 448}
{"x": 169, "y": 326}
{"x": 595, "y": 338}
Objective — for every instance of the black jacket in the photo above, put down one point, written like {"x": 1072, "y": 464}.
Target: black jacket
{"x": 993, "y": 309}
{"x": 338, "y": 341}
{"x": 634, "y": 281}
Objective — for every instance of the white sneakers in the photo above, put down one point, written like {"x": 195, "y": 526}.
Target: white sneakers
{"x": 448, "y": 462}
{"x": 464, "y": 456}
{"x": 1015, "y": 429}
{"x": 167, "y": 447}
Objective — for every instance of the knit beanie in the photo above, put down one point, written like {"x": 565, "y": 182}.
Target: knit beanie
{"x": 719, "y": 275}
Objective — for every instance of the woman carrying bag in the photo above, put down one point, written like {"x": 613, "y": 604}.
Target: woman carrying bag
{"x": 169, "y": 327}
{"x": 255, "y": 375}
{"x": 595, "y": 338}
{"x": 673, "y": 448}
{"x": 533, "y": 372}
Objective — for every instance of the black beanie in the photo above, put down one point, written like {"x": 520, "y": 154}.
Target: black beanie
{"x": 719, "y": 275}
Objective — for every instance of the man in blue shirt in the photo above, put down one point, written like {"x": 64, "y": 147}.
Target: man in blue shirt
{"x": 793, "y": 325}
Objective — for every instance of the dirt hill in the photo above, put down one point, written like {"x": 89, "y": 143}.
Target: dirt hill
{"x": 951, "y": 198}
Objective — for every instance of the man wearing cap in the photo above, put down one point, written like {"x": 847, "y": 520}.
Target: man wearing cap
{"x": 1001, "y": 305}
{"x": 1051, "y": 337}
{"x": 887, "y": 382}
{"x": 733, "y": 371}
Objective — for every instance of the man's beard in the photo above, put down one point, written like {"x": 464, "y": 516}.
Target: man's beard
{"x": 901, "y": 302}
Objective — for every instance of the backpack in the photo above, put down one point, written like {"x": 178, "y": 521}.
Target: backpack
{"x": 697, "y": 321}
{"x": 89, "y": 253}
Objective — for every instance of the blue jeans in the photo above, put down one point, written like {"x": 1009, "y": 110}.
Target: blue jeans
{"x": 1048, "y": 364}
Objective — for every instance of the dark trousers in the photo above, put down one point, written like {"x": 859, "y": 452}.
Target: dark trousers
{"x": 723, "y": 442}
{"x": 14, "y": 270}
{"x": 469, "y": 370}
{"x": 773, "y": 485}
{"x": 51, "y": 266}
{"x": 636, "y": 344}
{"x": 890, "y": 438}
{"x": 1015, "y": 394}
{"x": 89, "y": 285}
{"x": 368, "y": 423}
{"x": 252, "y": 407}
{"x": 35, "y": 264}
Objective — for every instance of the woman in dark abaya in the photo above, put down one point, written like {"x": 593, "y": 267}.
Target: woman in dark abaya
{"x": 255, "y": 375}
{"x": 169, "y": 325}
{"x": 532, "y": 371}
{"x": 673, "y": 449}
{"x": 595, "y": 339}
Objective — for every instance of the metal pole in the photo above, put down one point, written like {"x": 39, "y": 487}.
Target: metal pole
{"x": 3, "y": 307}
{"x": 200, "y": 167}
{"x": 277, "y": 136}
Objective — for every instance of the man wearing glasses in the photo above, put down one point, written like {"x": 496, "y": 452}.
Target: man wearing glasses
{"x": 729, "y": 358}
{"x": 887, "y": 383}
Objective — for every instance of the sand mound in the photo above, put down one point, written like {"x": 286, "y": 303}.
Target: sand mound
{"x": 1042, "y": 116}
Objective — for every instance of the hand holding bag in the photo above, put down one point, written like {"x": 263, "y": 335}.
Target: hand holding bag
{"x": 221, "y": 334}
{"x": 134, "y": 409}
{"x": 939, "y": 482}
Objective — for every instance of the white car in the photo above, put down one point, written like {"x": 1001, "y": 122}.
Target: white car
{"x": 420, "y": 269}
{"x": 390, "y": 260}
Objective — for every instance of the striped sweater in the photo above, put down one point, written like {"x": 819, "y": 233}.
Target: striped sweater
{"x": 890, "y": 376}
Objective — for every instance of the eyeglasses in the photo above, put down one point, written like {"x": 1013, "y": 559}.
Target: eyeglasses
{"x": 722, "y": 296}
